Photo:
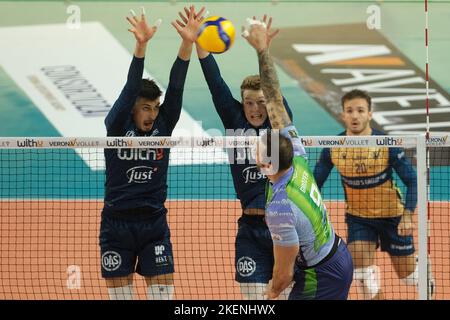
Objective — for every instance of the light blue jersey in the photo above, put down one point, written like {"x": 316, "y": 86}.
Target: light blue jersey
{"x": 295, "y": 212}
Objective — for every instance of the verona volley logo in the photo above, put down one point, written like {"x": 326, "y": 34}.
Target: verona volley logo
{"x": 246, "y": 266}
{"x": 111, "y": 260}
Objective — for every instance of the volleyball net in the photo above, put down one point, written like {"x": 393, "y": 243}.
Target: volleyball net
{"x": 52, "y": 193}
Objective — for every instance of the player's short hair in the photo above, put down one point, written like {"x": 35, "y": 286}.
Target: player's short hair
{"x": 250, "y": 83}
{"x": 149, "y": 90}
{"x": 355, "y": 94}
{"x": 285, "y": 149}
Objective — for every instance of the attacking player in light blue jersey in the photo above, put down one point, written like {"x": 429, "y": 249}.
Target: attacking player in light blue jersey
{"x": 302, "y": 234}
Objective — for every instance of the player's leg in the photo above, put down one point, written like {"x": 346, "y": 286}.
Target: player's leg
{"x": 120, "y": 288}
{"x": 254, "y": 258}
{"x": 362, "y": 244}
{"x": 117, "y": 258}
{"x": 402, "y": 252}
{"x": 155, "y": 259}
{"x": 407, "y": 269}
{"x": 160, "y": 287}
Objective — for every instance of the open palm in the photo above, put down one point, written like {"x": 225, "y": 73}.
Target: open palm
{"x": 189, "y": 27}
{"x": 141, "y": 30}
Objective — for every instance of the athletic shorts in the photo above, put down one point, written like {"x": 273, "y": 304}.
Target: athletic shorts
{"x": 382, "y": 231}
{"x": 329, "y": 280}
{"x": 135, "y": 244}
{"x": 254, "y": 250}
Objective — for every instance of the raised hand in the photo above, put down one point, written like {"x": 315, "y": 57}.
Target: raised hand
{"x": 270, "y": 34}
{"x": 190, "y": 25}
{"x": 141, "y": 30}
{"x": 259, "y": 35}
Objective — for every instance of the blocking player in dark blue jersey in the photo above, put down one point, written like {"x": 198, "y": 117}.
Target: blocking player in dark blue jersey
{"x": 134, "y": 234}
{"x": 254, "y": 248}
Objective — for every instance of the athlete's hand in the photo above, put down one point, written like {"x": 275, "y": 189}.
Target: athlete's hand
{"x": 269, "y": 294}
{"x": 406, "y": 225}
{"x": 259, "y": 35}
{"x": 141, "y": 30}
{"x": 190, "y": 25}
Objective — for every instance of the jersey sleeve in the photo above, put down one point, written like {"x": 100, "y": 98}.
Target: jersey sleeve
{"x": 291, "y": 133}
{"x": 282, "y": 227}
{"x": 121, "y": 109}
{"x": 173, "y": 101}
{"x": 226, "y": 106}
{"x": 323, "y": 167}
{"x": 405, "y": 171}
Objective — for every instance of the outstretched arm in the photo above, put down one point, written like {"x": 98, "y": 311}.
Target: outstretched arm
{"x": 226, "y": 106}
{"x": 188, "y": 30}
{"x": 171, "y": 108}
{"x": 124, "y": 104}
{"x": 259, "y": 37}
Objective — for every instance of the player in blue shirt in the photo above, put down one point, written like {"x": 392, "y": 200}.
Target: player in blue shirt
{"x": 253, "y": 246}
{"x": 302, "y": 233}
{"x": 134, "y": 234}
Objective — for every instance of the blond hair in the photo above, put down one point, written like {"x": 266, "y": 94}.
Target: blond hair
{"x": 250, "y": 83}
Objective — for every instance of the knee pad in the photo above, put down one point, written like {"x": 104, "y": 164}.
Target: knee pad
{"x": 367, "y": 281}
{"x": 253, "y": 291}
{"x": 121, "y": 293}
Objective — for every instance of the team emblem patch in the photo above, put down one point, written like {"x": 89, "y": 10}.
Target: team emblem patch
{"x": 246, "y": 266}
{"x": 111, "y": 260}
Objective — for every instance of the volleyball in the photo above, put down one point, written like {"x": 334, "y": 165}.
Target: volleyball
{"x": 216, "y": 34}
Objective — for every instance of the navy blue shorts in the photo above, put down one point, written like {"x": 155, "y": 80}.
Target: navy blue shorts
{"x": 129, "y": 245}
{"x": 382, "y": 231}
{"x": 254, "y": 250}
{"x": 330, "y": 280}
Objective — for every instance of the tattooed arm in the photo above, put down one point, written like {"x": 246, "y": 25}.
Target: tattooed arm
{"x": 278, "y": 116}
{"x": 259, "y": 37}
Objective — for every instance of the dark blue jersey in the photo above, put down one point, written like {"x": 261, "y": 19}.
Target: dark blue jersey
{"x": 366, "y": 174}
{"x": 137, "y": 178}
{"x": 249, "y": 183}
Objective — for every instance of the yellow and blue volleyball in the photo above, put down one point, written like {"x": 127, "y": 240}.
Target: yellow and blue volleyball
{"x": 216, "y": 34}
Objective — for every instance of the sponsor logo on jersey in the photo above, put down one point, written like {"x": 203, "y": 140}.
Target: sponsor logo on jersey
{"x": 252, "y": 174}
{"x": 293, "y": 133}
{"x": 140, "y": 154}
{"x": 140, "y": 174}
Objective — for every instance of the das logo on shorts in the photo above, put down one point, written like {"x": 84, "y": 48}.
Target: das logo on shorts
{"x": 246, "y": 266}
{"x": 111, "y": 260}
